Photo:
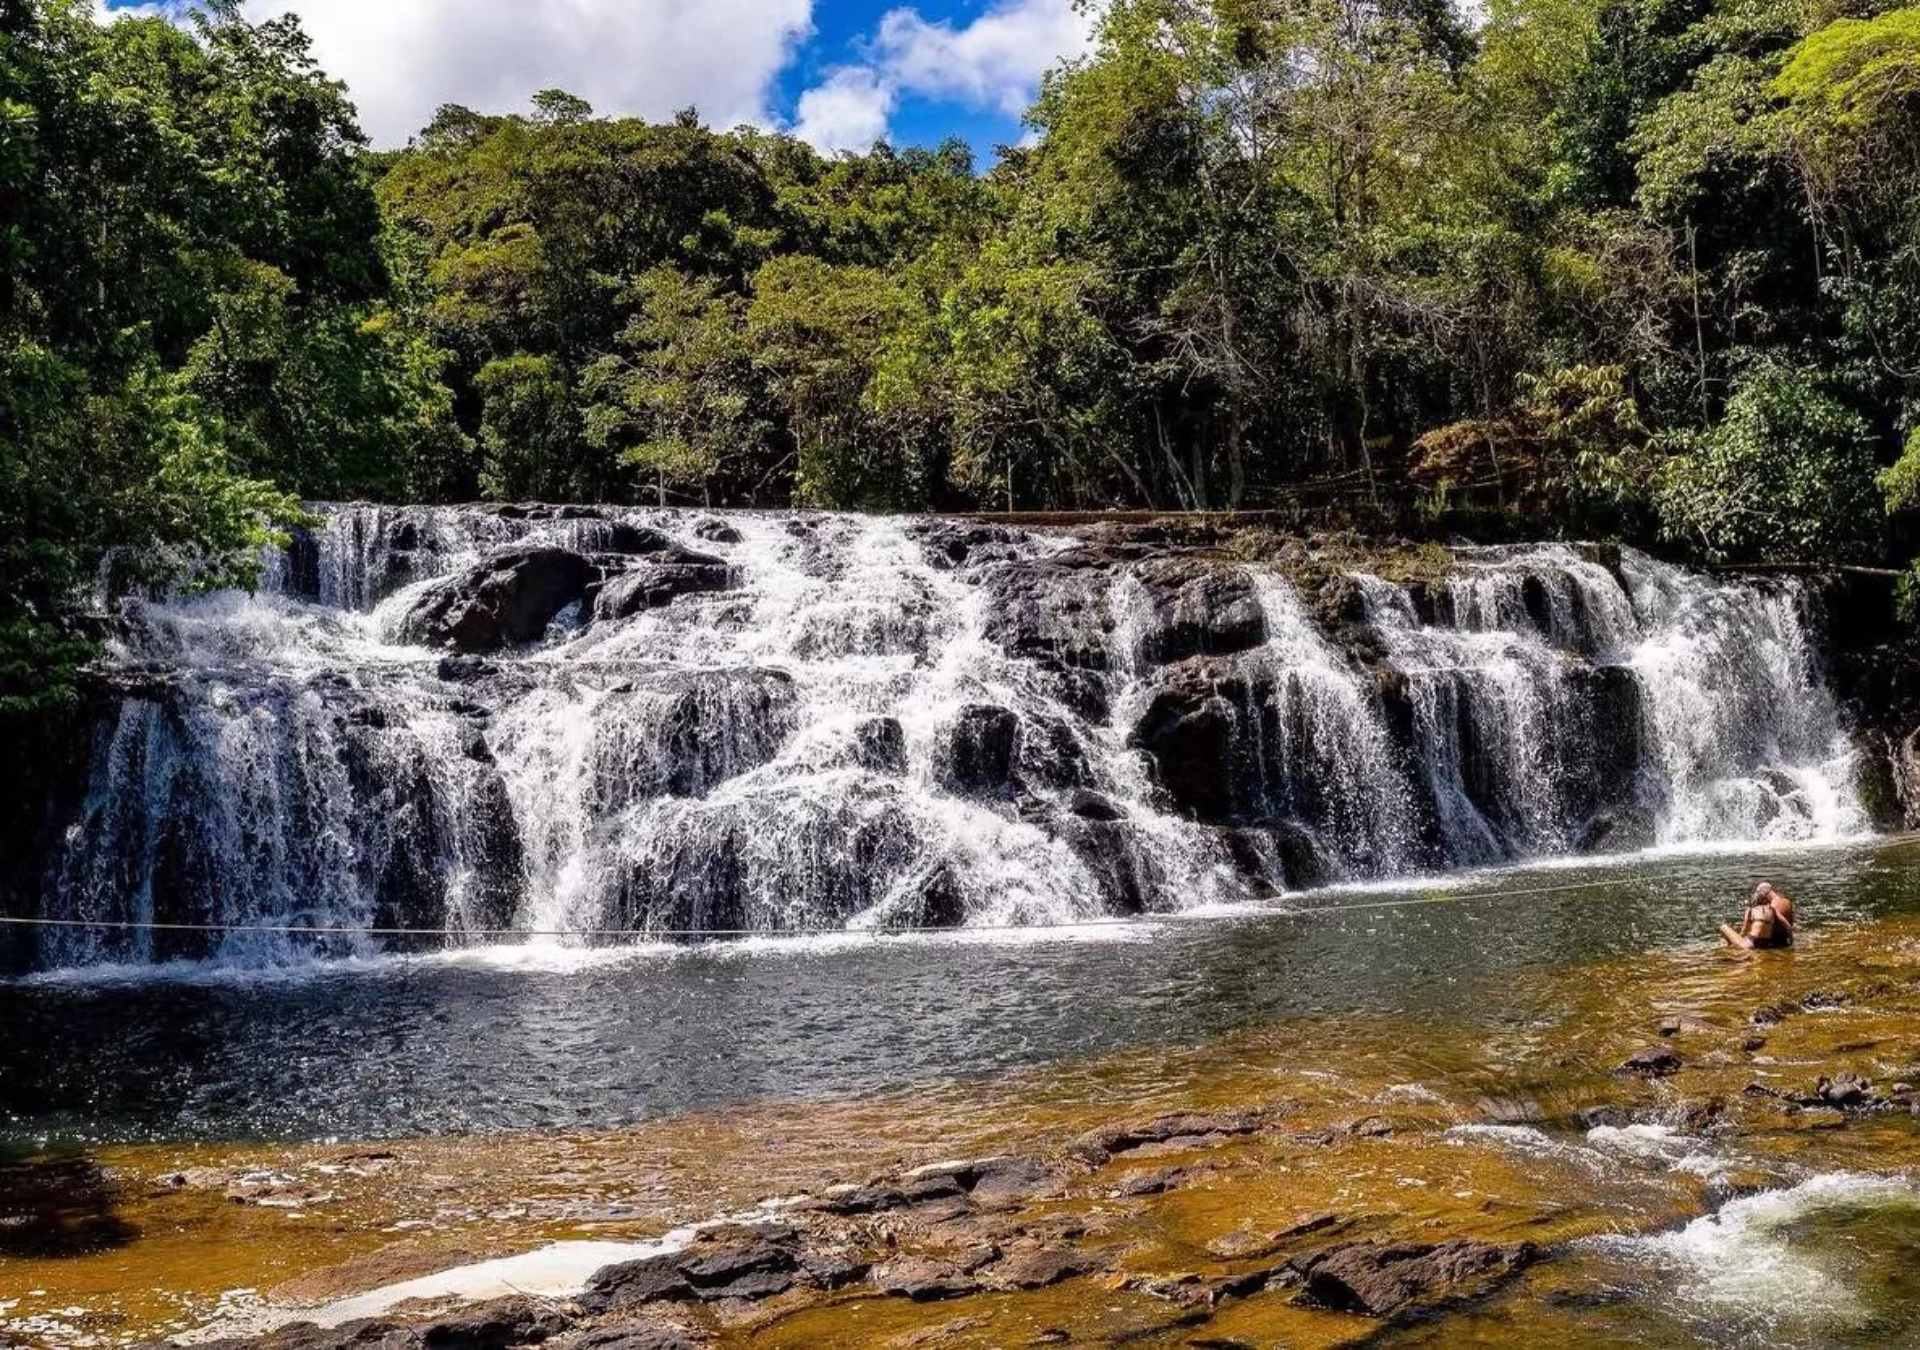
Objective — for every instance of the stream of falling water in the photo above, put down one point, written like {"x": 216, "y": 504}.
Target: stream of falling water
{"x": 871, "y": 726}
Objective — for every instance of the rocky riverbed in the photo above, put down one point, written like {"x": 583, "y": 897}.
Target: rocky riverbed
{"x": 1340, "y": 1181}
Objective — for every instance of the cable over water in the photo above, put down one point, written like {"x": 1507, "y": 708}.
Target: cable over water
{"x": 1455, "y": 896}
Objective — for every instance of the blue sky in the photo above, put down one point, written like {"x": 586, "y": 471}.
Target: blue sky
{"x": 838, "y": 73}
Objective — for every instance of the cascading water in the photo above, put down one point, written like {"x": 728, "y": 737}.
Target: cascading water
{"x": 566, "y": 719}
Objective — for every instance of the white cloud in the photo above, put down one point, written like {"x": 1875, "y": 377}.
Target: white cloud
{"x": 849, "y": 111}
{"x": 401, "y": 59}
{"x": 993, "y": 64}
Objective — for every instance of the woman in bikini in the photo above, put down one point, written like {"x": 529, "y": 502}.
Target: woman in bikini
{"x": 1768, "y": 922}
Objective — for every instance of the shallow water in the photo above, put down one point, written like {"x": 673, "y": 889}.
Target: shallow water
{"x": 530, "y": 1038}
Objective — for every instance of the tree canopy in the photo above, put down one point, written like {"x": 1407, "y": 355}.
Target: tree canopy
{"x": 1641, "y": 267}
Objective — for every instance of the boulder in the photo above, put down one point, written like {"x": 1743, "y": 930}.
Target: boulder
{"x": 1380, "y": 1279}
{"x": 880, "y": 744}
{"x": 1198, "y": 607}
{"x": 498, "y": 1325}
{"x": 1057, "y": 613}
{"x": 1193, "y": 730}
{"x": 728, "y": 1261}
{"x": 658, "y": 580}
{"x": 716, "y": 531}
{"x": 508, "y": 598}
{"x": 631, "y": 1284}
{"x": 952, "y": 544}
{"x": 922, "y": 1279}
{"x": 1038, "y": 1268}
{"x": 618, "y": 536}
{"x": 976, "y": 756}
{"x": 1654, "y": 1062}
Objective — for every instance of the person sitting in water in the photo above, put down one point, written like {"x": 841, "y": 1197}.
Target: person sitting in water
{"x": 1768, "y": 922}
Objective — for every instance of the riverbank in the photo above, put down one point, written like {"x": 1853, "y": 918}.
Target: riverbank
{"x": 1553, "y": 1158}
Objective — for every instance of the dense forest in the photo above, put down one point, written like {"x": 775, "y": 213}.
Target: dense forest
{"x": 1648, "y": 268}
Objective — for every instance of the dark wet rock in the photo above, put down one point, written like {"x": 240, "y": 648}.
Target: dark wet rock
{"x": 1039, "y": 1268}
{"x": 1198, "y": 607}
{"x": 632, "y": 1335}
{"x": 1824, "y": 1000}
{"x": 960, "y": 543}
{"x": 1378, "y": 1279}
{"x": 1654, "y": 1062}
{"x": 716, "y": 531}
{"x": 1091, "y": 806}
{"x": 976, "y": 756}
{"x": 507, "y": 599}
{"x": 1752, "y": 1043}
{"x": 658, "y": 580}
{"x": 858, "y": 1200}
{"x": 634, "y": 1283}
{"x": 728, "y": 1261}
{"x": 986, "y": 1182}
{"x": 1193, "y": 728}
{"x": 1848, "y": 1091}
{"x": 740, "y": 1261}
{"x": 633, "y": 540}
{"x": 1050, "y": 756}
{"x": 931, "y": 1185}
{"x": 1096, "y": 1146}
{"x": 880, "y": 744}
{"x": 833, "y": 1269}
{"x": 494, "y": 1326}
{"x": 1157, "y": 1180}
{"x": 497, "y": 1325}
{"x": 922, "y": 1279}
{"x": 1616, "y": 829}
{"x": 1771, "y": 1015}
{"x": 1057, "y": 613}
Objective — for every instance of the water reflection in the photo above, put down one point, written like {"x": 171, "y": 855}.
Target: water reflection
{"x": 495, "y": 1042}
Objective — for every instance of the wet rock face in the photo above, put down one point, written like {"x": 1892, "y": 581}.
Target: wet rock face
{"x": 1056, "y": 612}
{"x": 1198, "y": 607}
{"x": 1193, "y": 729}
{"x": 658, "y": 579}
{"x": 503, "y": 601}
{"x": 977, "y": 759}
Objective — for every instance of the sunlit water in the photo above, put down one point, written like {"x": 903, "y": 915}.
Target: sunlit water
{"x": 530, "y": 1037}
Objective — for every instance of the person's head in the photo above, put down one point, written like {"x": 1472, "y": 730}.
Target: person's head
{"x": 1763, "y": 893}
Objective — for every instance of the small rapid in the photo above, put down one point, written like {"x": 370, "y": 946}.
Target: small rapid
{"x": 558, "y": 719}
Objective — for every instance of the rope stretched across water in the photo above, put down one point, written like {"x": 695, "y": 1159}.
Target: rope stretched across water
{"x": 1459, "y": 895}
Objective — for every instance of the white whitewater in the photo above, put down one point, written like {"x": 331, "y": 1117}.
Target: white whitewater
{"x": 845, "y": 740}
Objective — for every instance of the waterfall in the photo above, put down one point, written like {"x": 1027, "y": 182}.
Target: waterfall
{"x": 561, "y": 719}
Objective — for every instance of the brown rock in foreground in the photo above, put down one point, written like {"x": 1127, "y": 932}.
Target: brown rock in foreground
{"x": 1380, "y": 1279}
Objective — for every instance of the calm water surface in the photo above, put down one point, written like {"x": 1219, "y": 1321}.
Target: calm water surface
{"x": 514, "y": 1039}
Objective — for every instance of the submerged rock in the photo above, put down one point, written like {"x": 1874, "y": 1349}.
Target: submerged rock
{"x": 1654, "y": 1062}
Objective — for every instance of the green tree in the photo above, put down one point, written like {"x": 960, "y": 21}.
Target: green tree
{"x": 681, "y": 401}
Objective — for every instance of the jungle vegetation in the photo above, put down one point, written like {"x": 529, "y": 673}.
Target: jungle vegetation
{"x": 1640, "y": 268}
